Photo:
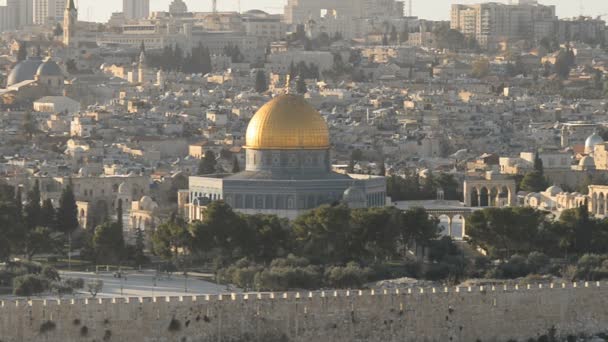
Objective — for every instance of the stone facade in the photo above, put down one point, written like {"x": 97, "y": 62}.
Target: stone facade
{"x": 446, "y": 314}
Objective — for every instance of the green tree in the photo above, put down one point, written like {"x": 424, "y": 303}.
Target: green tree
{"x": 481, "y": 68}
{"x": 139, "y": 255}
{"x": 534, "y": 181}
{"x": 48, "y": 214}
{"x": 564, "y": 63}
{"x": 109, "y": 244}
{"x": 504, "y": 232}
{"x": 301, "y": 87}
{"x": 235, "y": 165}
{"x": 41, "y": 240}
{"x": 261, "y": 85}
{"x": 67, "y": 212}
{"x": 416, "y": 225}
{"x": 208, "y": 164}
{"x": 272, "y": 237}
{"x": 171, "y": 238}
{"x": 58, "y": 30}
{"x": 32, "y": 209}
{"x": 11, "y": 231}
{"x": 323, "y": 234}
{"x": 222, "y": 230}
{"x": 538, "y": 164}
{"x": 29, "y": 125}
{"x": 393, "y": 35}
{"x": 382, "y": 171}
{"x": 22, "y": 52}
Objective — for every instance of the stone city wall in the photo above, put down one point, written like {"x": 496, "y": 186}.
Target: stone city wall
{"x": 447, "y": 314}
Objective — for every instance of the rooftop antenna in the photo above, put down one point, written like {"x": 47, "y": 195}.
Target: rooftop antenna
{"x": 410, "y": 11}
{"x": 214, "y": 5}
{"x": 239, "y": 5}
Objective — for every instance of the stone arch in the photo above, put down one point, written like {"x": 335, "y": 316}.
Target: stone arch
{"x": 601, "y": 204}
{"x": 474, "y": 197}
{"x": 445, "y": 222}
{"x": 458, "y": 227}
{"x": 493, "y": 197}
{"x": 484, "y": 200}
{"x": 504, "y": 197}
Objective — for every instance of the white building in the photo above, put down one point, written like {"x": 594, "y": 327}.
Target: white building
{"x": 56, "y": 104}
{"x": 280, "y": 62}
{"x": 136, "y": 9}
{"x": 48, "y": 11}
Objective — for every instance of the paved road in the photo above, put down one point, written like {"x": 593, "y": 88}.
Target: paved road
{"x": 148, "y": 284}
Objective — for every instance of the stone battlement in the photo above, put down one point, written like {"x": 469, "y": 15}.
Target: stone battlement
{"x": 480, "y": 313}
{"x": 295, "y": 295}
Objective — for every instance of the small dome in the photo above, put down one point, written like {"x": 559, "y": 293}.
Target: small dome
{"x": 24, "y": 71}
{"x": 355, "y": 198}
{"x": 147, "y": 203}
{"x": 49, "y": 68}
{"x": 554, "y": 190}
{"x": 592, "y": 140}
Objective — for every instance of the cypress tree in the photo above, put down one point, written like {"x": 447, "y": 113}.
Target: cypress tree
{"x": 301, "y": 86}
{"x": 236, "y": 168}
{"x": 48, "y": 214}
{"x": 22, "y": 53}
{"x": 67, "y": 213}
{"x": 33, "y": 210}
{"x": 261, "y": 85}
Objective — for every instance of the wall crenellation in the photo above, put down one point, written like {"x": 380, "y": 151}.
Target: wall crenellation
{"x": 458, "y": 314}
{"x": 295, "y": 295}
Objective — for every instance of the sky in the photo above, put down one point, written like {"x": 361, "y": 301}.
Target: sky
{"x": 100, "y": 10}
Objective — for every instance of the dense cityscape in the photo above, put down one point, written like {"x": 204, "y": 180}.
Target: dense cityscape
{"x": 336, "y": 148}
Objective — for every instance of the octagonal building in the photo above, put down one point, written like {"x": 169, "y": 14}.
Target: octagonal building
{"x": 288, "y": 168}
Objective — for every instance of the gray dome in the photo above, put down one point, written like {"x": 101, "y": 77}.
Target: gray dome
{"x": 24, "y": 71}
{"x": 554, "y": 190}
{"x": 49, "y": 68}
{"x": 355, "y": 198}
{"x": 587, "y": 162}
{"x": 592, "y": 140}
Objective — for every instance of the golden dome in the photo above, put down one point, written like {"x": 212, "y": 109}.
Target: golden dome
{"x": 287, "y": 122}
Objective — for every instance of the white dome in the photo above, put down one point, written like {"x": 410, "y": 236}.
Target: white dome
{"x": 592, "y": 140}
{"x": 554, "y": 190}
{"x": 147, "y": 203}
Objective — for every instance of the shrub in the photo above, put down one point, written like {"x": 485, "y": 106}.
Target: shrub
{"x": 351, "y": 276}
{"x": 50, "y": 273}
{"x": 242, "y": 273}
{"x": 538, "y": 262}
{"x": 516, "y": 267}
{"x": 75, "y": 283}
{"x": 94, "y": 287}
{"x": 591, "y": 267}
{"x": 28, "y": 285}
{"x": 288, "y": 273}
{"x": 61, "y": 288}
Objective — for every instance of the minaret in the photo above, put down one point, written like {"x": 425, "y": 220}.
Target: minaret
{"x": 142, "y": 64}
{"x": 70, "y": 17}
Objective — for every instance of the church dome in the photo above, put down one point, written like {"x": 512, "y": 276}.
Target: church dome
{"x": 592, "y": 140}
{"x": 24, "y": 71}
{"x": 287, "y": 122}
{"x": 49, "y": 68}
{"x": 554, "y": 190}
